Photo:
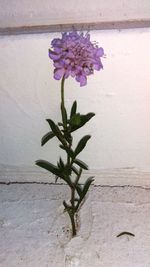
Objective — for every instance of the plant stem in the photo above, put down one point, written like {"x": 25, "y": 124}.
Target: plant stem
{"x": 73, "y": 224}
{"x": 63, "y": 114}
{"x": 63, "y": 103}
{"x": 62, "y": 91}
{"x": 71, "y": 212}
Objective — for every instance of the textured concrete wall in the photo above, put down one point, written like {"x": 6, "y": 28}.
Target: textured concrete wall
{"x": 17, "y": 17}
{"x": 119, "y": 95}
{"x": 36, "y": 232}
{"x": 16, "y": 13}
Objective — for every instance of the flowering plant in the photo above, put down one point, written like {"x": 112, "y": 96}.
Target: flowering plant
{"x": 76, "y": 56}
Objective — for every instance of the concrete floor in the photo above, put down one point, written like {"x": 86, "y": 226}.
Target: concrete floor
{"x": 35, "y": 232}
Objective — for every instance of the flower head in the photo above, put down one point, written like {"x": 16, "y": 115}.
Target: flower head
{"x": 75, "y": 55}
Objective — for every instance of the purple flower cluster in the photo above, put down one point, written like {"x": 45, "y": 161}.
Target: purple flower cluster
{"x": 75, "y": 55}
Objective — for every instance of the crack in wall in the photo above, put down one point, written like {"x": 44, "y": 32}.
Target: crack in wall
{"x": 62, "y": 184}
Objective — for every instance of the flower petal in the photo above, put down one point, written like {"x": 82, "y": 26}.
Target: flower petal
{"x": 98, "y": 65}
{"x": 100, "y": 52}
{"x": 53, "y": 55}
{"x": 58, "y": 73}
{"x": 82, "y": 79}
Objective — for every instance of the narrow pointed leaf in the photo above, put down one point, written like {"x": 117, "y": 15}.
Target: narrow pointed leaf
{"x": 58, "y": 165}
{"x": 56, "y": 131}
{"x": 49, "y": 167}
{"x": 67, "y": 207}
{"x": 87, "y": 185}
{"x": 74, "y": 169}
{"x": 84, "y": 119}
{"x": 79, "y": 190}
{"x": 61, "y": 164}
{"x": 75, "y": 120}
{"x": 60, "y": 124}
{"x": 81, "y": 144}
{"x": 82, "y": 192}
{"x": 73, "y": 109}
{"x": 81, "y": 164}
{"x": 53, "y": 169}
{"x": 46, "y": 138}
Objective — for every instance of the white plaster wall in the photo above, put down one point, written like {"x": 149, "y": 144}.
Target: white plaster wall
{"x": 119, "y": 95}
{"x": 16, "y": 13}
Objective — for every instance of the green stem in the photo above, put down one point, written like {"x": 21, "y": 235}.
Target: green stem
{"x": 69, "y": 162}
{"x": 73, "y": 224}
{"x": 72, "y": 215}
{"x": 68, "y": 158}
{"x": 78, "y": 177}
{"x": 63, "y": 111}
{"x": 72, "y": 197}
{"x": 62, "y": 91}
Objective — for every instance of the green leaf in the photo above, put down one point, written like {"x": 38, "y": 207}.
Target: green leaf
{"x": 82, "y": 191}
{"x": 60, "y": 124}
{"x": 67, "y": 207}
{"x": 53, "y": 169}
{"x": 46, "y": 138}
{"x": 84, "y": 119}
{"x": 61, "y": 164}
{"x": 73, "y": 109}
{"x": 49, "y": 167}
{"x": 74, "y": 169}
{"x": 81, "y": 164}
{"x": 56, "y": 131}
{"x": 79, "y": 190}
{"x": 81, "y": 144}
{"x": 87, "y": 185}
{"x": 75, "y": 120}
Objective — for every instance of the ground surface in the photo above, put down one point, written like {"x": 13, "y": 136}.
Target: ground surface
{"x": 34, "y": 231}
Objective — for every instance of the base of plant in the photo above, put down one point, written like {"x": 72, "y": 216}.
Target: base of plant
{"x": 72, "y": 215}
{"x": 73, "y": 224}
